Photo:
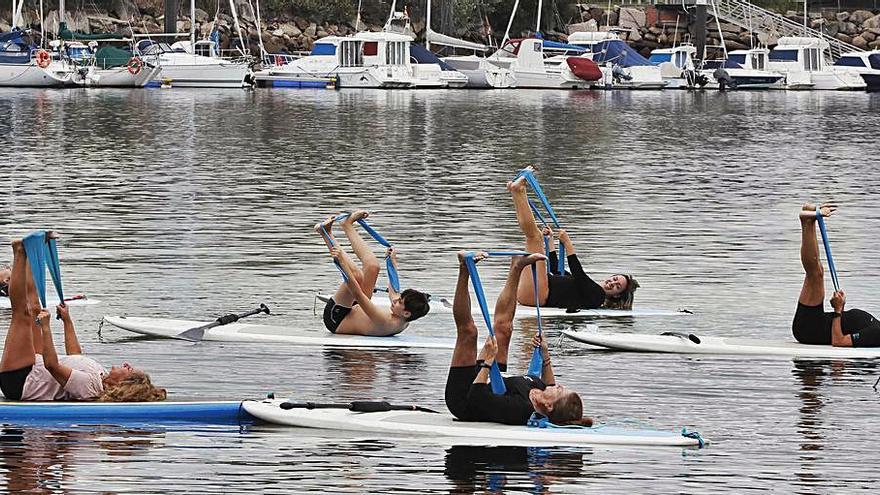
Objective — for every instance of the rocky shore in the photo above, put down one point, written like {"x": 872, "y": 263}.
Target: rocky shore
{"x": 645, "y": 28}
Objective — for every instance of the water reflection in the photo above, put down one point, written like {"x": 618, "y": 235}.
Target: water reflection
{"x": 521, "y": 469}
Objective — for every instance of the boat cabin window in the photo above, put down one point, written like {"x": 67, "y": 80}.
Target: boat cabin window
{"x": 659, "y": 58}
{"x": 395, "y": 53}
{"x": 205, "y": 49}
{"x": 79, "y": 52}
{"x": 759, "y": 61}
{"x": 371, "y": 48}
{"x": 812, "y": 59}
{"x": 874, "y": 58}
{"x": 850, "y": 62}
{"x": 323, "y": 49}
{"x": 738, "y": 58}
{"x": 350, "y": 54}
{"x": 681, "y": 60}
{"x": 783, "y": 55}
{"x": 11, "y": 46}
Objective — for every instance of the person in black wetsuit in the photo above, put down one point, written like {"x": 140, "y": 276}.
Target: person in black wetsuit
{"x": 812, "y": 325}
{"x": 469, "y": 396}
{"x": 574, "y": 290}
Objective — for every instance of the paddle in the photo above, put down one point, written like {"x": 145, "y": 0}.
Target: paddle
{"x": 821, "y": 222}
{"x": 356, "y": 406}
{"x": 196, "y": 334}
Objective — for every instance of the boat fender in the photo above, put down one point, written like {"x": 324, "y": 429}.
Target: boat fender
{"x": 134, "y": 66}
{"x": 43, "y": 58}
{"x": 687, "y": 336}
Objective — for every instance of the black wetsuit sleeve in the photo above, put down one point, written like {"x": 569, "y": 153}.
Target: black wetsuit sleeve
{"x": 505, "y": 409}
{"x": 553, "y": 259}
{"x": 862, "y": 327}
{"x": 592, "y": 293}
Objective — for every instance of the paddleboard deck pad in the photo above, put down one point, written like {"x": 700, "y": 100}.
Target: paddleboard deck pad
{"x": 243, "y": 332}
{"x": 51, "y": 303}
{"x": 698, "y": 344}
{"x": 444, "y": 305}
{"x": 444, "y": 428}
{"x": 56, "y": 413}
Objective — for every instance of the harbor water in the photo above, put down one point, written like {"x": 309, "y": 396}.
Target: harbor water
{"x": 194, "y": 204}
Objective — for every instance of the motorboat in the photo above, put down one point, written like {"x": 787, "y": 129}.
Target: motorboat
{"x": 802, "y": 61}
{"x": 196, "y": 64}
{"x": 542, "y": 64}
{"x": 743, "y": 69}
{"x": 677, "y": 66}
{"x": 866, "y": 64}
{"x": 622, "y": 66}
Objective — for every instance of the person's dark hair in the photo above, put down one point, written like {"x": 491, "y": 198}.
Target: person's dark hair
{"x": 624, "y": 300}
{"x": 416, "y": 303}
{"x": 569, "y": 410}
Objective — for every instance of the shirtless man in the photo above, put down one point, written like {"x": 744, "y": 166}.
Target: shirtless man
{"x": 351, "y": 310}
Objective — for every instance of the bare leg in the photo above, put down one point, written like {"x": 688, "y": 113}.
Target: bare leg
{"x": 342, "y": 295}
{"x": 369, "y": 262}
{"x": 18, "y": 351}
{"x": 525, "y": 294}
{"x": 465, "y": 353}
{"x": 813, "y": 290}
{"x": 505, "y": 306}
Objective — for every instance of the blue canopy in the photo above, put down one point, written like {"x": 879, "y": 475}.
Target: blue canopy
{"x": 618, "y": 52}
{"x": 555, "y": 45}
{"x": 421, "y": 55}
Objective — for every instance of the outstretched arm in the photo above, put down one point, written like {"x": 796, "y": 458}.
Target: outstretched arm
{"x": 71, "y": 341}
{"x": 59, "y": 372}
{"x": 547, "y": 370}
{"x": 838, "y": 339}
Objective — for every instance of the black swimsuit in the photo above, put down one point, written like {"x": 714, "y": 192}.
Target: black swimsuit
{"x": 469, "y": 401}
{"x": 334, "y": 314}
{"x": 812, "y": 325}
{"x": 575, "y": 290}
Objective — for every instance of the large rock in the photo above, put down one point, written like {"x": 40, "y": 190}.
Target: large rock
{"x": 735, "y": 45}
{"x": 842, "y": 16}
{"x": 633, "y": 36}
{"x": 874, "y": 45}
{"x": 860, "y": 16}
{"x": 584, "y": 27}
{"x": 311, "y": 31}
{"x": 631, "y": 18}
{"x": 849, "y": 28}
{"x": 873, "y": 22}
{"x": 202, "y": 16}
{"x": 290, "y": 29}
{"x": 869, "y": 36}
{"x": 844, "y": 38}
{"x": 831, "y": 28}
{"x": 860, "y": 42}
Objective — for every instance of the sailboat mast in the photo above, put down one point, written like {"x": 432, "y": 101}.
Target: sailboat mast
{"x": 237, "y": 26}
{"x": 538, "y": 23}
{"x": 428, "y": 27}
{"x": 510, "y": 23}
{"x": 192, "y": 25}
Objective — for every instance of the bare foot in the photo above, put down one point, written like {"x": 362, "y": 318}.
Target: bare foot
{"x": 518, "y": 185}
{"x": 325, "y": 225}
{"x": 478, "y": 256}
{"x": 52, "y": 234}
{"x": 524, "y": 261}
{"x": 357, "y": 215}
{"x": 18, "y": 246}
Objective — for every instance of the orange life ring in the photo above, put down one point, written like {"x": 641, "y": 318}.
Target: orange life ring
{"x": 43, "y": 58}
{"x": 135, "y": 65}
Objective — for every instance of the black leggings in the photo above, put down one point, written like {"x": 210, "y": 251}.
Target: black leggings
{"x": 812, "y": 325}
{"x": 12, "y": 382}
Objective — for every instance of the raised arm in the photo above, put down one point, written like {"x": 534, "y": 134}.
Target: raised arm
{"x": 71, "y": 342}
{"x": 547, "y": 370}
{"x": 58, "y": 371}
{"x": 838, "y": 339}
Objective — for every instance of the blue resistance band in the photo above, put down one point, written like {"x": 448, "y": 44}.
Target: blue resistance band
{"x": 537, "y": 362}
{"x": 536, "y": 187}
{"x": 831, "y": 267}
{"x": 393, "y": 277}
{"x": 335, "y": 261}
{"x": 546, "y": 237}
{"x": 40, "y": 254}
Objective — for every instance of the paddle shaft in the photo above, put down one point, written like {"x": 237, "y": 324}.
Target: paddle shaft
{"x": 198, "y": 332}
{"x": 356, "y": 406}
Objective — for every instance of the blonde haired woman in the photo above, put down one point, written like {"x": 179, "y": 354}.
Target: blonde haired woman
{"x": 30, "y": 368}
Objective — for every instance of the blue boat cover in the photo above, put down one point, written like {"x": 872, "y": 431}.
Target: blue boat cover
{"x": 618, "y": 52}
{"x": 123, "y": 413}
{"x": 555, "y": 45}
{"x": 14, "y": 49}
{"x": 421, "y": 55}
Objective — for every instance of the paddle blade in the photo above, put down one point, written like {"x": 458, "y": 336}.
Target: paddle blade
{"x": 536, "y": 365}
{"x": 194, "y": 334}
{"x": 496, "y": 381}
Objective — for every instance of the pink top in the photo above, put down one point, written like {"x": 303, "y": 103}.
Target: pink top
{"x": 85, "y": 382}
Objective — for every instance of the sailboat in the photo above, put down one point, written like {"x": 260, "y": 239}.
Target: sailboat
{"x": 196, "y": 63}
{"x": 24, "y": 64}
{"x": 480, "y": 72}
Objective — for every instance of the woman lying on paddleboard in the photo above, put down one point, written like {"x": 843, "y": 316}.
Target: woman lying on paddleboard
{"x": 31, "y": 369}
{"x": 469, "y": 396}
{"x": 351, "y": 310}
{"x": 575, "y": 290}
{"x": 812, "y": 325}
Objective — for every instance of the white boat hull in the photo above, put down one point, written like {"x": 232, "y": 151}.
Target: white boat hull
{"x": 117, "y": 77}
{"x": 219, "y": 75}
{"x": 31, "y": 75}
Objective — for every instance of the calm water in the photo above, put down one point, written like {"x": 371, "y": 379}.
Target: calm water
{"x": 194, "y": 204}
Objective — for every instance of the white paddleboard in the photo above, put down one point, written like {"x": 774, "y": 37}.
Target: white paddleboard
{"x": 51, "y": 303}
{"x": 444, "y": 305}
{"x": 243, "y": 332}
{"x": 444, "y": 428}
{"x": 682, "y": 344}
